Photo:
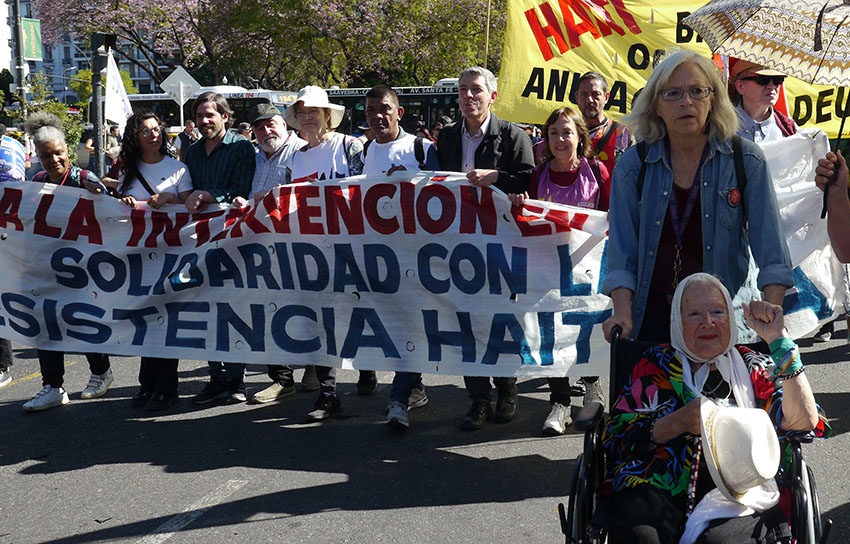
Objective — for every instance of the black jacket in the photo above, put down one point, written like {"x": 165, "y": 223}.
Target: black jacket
{"x": 506, "y": 148}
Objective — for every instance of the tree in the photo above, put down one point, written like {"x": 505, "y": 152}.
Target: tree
{"x": 42, "y": 99}
{"x": 81, "y": 85}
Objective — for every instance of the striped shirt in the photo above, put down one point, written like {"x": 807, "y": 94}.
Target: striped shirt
{"x": 226, "y": 172}
{"x": 271, "y": 172}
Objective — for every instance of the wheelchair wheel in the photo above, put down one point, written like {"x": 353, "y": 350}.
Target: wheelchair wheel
{"x": 814, "y": 505}
{"x": 576, "y": 508}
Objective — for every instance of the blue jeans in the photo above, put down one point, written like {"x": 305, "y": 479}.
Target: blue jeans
{"x": 403, "y": 384}
{"x": 229, "y": 373}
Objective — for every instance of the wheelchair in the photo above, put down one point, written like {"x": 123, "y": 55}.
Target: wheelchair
{"x": 580, "y": 521}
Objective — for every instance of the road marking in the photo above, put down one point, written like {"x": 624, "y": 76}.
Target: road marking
{"x": 37, "y": 374}
{"x": 192, "y": 512}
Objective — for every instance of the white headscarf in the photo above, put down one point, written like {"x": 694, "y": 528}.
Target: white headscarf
{"x": 734, "y": 370}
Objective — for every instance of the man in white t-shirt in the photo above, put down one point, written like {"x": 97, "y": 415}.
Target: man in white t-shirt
{"x": 393, "y": 150}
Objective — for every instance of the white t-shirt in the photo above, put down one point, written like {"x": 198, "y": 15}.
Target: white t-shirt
{"x": 328, "y": 160}
{"x": 381, "y": 157}
{"x": 166, "y": 176}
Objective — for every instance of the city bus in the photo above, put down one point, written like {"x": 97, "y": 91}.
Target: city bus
{"x": 240, "y": 99}
{"x": 422, "y": 105}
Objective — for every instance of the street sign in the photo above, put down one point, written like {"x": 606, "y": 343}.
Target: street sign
{"x": 180, "y": 86}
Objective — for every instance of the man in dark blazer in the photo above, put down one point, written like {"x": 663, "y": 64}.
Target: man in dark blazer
{"x": 491, "y": 152}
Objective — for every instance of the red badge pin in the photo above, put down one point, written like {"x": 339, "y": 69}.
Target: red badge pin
{"x": 734, "y": 197}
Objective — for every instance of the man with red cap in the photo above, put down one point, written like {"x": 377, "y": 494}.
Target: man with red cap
{"x": 757, "y": 88}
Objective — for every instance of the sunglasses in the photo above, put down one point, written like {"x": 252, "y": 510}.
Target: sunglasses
{"x": 764, "y": 80}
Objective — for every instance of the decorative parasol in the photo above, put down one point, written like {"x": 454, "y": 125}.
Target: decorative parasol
{"x": 806, "y": 39}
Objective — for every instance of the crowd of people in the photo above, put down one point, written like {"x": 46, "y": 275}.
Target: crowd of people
{"x": 689, "y": 197}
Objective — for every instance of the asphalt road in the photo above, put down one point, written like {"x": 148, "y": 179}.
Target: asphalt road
{"x": 101, "y": 471}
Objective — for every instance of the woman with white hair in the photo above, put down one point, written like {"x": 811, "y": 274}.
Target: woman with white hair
{"x": 327, "y": 155}
{"x": 46, "y": 132}
{"x": 691, "y": 203}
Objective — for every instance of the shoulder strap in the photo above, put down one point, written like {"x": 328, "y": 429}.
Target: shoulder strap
{"x": 605, "y": 137}
{"x": 419, "y": 152}
{"x": 366, "y": 147}
{"x": 597, "y": 173}
{"x": 641, "y": 150}
{"x": 144, "y": 183}
{"x": 740, "y": 173}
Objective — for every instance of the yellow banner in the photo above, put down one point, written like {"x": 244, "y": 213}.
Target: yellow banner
{"x": 549, "y": 44}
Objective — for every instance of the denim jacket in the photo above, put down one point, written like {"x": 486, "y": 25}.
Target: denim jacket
{"x": 635, "y": 223}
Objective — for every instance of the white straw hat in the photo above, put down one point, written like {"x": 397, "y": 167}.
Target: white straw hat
{"x": 312, "y": 96}
{"x": 740, "y": 447}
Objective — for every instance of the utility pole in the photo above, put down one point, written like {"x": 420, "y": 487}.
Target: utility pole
{"x": 100, "y": 45}
{"x": 19, "y": 54}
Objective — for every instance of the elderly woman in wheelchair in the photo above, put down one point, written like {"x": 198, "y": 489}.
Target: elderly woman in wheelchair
{"x": 692, "y": 439}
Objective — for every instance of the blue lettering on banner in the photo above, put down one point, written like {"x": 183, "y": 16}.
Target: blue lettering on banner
{"x": 471, "y": 254}
{"x": 119, "y": 271}
{"x": 282, "y": 337}
{"x": 372, "y": 253}
{"x": 585, "y": 321}
{"x": 497, "y": 345}
{"x": 286, "y": 279}
{"x": 423, "y": 264}
{"x": 300, "y": 252}
{"x": 346, "y": 271}
{"x": 255, "y": 269}
{"x": 77, "y": 278}
{"x": 464, "y": 338}
{"x": 137, "y": 319}
{"x": 568, "y": 288}
{"x": 355, "y": 339}
{"x": 167, "y": 267}
{"x": 806, "y": 297}
{"x": 255, "y": 334}
{"x": 221, "y": 267}
{"x": 175, "y": 324}
{"x": 603, "y": 267}
{"x": 516, "y": 275}
{"x": 546, "y": 323}
{"x": 30, "y": 326}
{"x": 187, "y": 274}
{"x": 101, "y": 331}
{"x": 136, "y": 289}
{"x": 330, "y": 332}
{"x": 51, "y": 322}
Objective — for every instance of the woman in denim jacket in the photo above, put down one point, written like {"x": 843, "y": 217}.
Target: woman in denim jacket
{"x": 715, "y": 220}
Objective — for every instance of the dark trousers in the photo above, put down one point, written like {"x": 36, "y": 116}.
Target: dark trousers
{"x": 559, "y": 389}
{"x": 281, "y": 374}
{"x": 5, "y": 354}
{"x": 158, "y": 375}
{"x": 327, "y": 379}
{"x": 52, "y": 366}
{"x": 479, "y": 387}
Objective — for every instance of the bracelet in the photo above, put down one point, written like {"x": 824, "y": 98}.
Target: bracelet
{"x": 786, "y": 357}
{"x": 793, "y": 374}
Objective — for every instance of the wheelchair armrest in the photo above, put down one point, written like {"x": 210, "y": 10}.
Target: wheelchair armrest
{"x": 589, "y": 417}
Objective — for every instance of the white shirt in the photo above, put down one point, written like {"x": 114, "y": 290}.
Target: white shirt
{"x": 470, "y": 143}
{"x": 328, "y": 160}
{"x": 166, "y": 176}
{"x": 399, "y": 152}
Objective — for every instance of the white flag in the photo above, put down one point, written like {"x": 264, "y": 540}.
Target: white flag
{"x": 117, "y": 106}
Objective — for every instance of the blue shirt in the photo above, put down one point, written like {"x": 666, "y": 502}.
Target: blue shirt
{"x": 758, "y": 131}
{"x": 272, "y": 171}
{"x": 635, "y": 224}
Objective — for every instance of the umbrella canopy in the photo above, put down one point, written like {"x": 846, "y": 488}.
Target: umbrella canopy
{"x": 807, "y": 39}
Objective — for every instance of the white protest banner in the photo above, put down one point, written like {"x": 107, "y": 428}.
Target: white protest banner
{"x": 413, "y": 272}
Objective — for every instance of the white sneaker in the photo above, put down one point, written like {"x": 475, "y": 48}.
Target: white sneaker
{"x": 5, "y": 377}
{"x": 48, "y": 397}
{"x": 593, "y": 393}
{"x": 98, "y": 384}
{"x": 397, "y": 416}
{"x": 558, "y": 420}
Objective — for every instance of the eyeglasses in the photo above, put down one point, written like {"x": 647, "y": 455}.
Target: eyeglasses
{"x": 146, "y": 132}
{"x": 676, "y": 93}
{"x": 764, "y": 80}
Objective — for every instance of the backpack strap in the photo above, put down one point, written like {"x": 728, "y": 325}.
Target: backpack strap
{"x": 612, "y": 128}
{"x": 597, "y": 173}
{"x": 419, "y": 152}
{"x": 145, "y": 183}
{"x": 641, "y": 150}
{"x": 740, "y": 173}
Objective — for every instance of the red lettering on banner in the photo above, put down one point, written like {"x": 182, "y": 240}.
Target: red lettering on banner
{"x": 202, "y": 227}
{"x": 233, "y": 215}
{"x": 249, "y": 219}
{"x": 336, "y": 207}
{"x": 471, "y": 208}
{"x": 448, "y": 208}
{"x": 278, "y": 210}
{"x": 408, "y": 214}
{"x": 579, "y": 220}
{"x": 307, "y": 212}
{"x": 570, "y": 9}
{"x": 559, "y": 218}
{"x": 41, "y": 226}
{"x": 9, "y": 206}
{"x": 380, "y": 224}
{"x": 83, "y": 222}
{"x": 161, "y": 224}
{"x": 524, "y": 222}
{"x": 552, "y": 29}
{"x": 576, "y": 29}
{"x": 137, "y": 220}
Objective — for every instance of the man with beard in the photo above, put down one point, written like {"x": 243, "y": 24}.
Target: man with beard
{"x": 275, "y": 146}
{"x": 491, "y": 152}
{"x": 222, "y": 166}
{"x": 609, "y": 138}
{"x": 392, "y": 150}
